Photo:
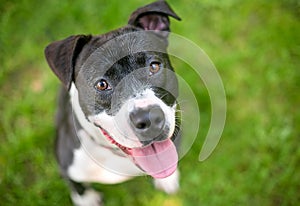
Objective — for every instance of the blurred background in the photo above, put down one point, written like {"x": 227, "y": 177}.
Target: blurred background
{"x": 255, "y": 46}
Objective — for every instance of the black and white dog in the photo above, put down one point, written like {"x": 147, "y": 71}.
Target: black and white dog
{"x": 117, "y": 115}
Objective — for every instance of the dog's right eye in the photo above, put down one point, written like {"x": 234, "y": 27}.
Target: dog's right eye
{"x": 102, "y": 85}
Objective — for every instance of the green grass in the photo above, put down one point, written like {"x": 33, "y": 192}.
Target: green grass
{"x": 255, "y": 46}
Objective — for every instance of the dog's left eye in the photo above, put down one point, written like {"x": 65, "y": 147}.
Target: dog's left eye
{"x": 154, "y": 67}
{"x": 102, "y": 85}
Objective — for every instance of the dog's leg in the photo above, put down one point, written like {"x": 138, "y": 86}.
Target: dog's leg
{"x": 84, "y": 195}
{"x": 170, "y": 185}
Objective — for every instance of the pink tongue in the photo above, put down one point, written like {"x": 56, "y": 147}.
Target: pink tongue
{"x": 158, "y": 159}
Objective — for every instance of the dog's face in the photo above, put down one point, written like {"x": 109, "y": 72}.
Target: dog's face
{"x": 126, "y": 86}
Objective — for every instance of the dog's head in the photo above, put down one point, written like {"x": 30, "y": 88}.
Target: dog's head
{"x": 126, "y": 86}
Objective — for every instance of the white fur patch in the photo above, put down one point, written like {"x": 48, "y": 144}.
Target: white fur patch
{"x": 89, "y": 198}
{"x": 170, "y": 185}
{"x": 94, "y": 163}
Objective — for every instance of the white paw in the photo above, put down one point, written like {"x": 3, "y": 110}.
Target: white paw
{"x": 170, "y": 185}
{"x": 89, "y": 198}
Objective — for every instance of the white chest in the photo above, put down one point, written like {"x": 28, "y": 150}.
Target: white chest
{"x": 94, "y": 163}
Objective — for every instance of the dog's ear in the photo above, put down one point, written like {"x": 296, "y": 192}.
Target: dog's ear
{"x": 61, "y": 57}
{"x": 153, "y": 17}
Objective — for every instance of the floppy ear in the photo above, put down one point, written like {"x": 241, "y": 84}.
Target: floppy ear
{"x": 61, "y": 57}
{"x": 153, "y": 17}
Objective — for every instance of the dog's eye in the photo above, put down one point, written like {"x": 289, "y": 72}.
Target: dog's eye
{"x": 102, "y": 85}
{"x": 154, "y": 67}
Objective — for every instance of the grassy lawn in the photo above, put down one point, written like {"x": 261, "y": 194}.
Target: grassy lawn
{"x": 255, "y": 46}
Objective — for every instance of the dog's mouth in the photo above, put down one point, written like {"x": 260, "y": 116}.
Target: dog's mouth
{"x": 158, "y": 159}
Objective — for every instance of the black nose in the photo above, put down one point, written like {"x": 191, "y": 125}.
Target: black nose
{"x": 147, "y": 122}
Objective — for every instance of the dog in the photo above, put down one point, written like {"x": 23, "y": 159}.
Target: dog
{"x": 117, "y": 114}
